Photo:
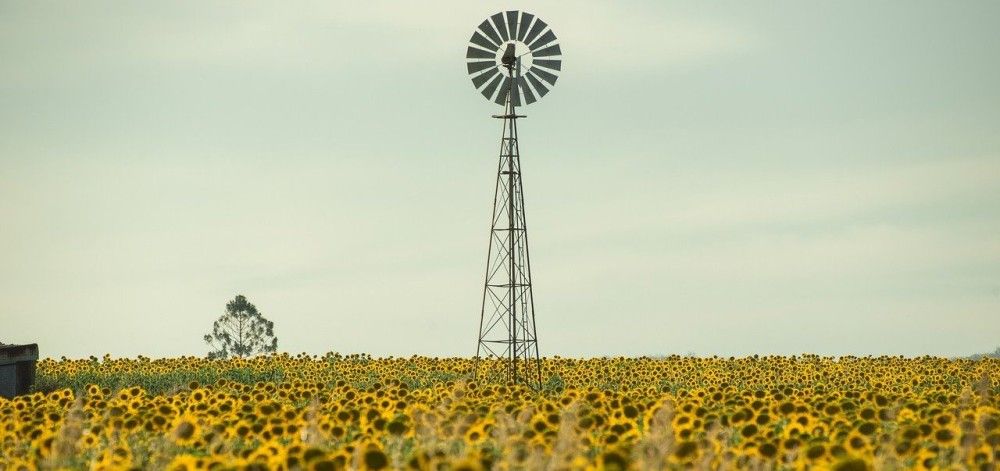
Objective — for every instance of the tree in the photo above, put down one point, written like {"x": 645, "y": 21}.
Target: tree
{"x": 980, "y": 356}
{"x": 241, "y": 332}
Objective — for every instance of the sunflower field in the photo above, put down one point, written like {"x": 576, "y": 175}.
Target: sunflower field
{"x": 358, "y": 412}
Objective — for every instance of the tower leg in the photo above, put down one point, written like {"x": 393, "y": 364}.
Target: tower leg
{"x": 507, "y": 348}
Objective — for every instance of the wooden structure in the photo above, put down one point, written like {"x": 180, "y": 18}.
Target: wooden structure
{"x": 17, "y": 369}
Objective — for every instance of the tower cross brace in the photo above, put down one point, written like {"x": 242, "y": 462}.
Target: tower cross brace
{"x": 507, "y": 334}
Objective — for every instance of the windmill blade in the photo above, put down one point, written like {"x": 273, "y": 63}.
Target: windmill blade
{"x": 552, "y": 50}
{"x": 516, "y": 97}
{"x": 491, "y": 33}
{"x": 480, "y": 40}
{"x": 492, "y": 87}
{"x": 535, "y": 29}
{"x": 529, "y": 97}
{"x": 553, "y": 64}
{"x": 542, "y": 40}
{"x": 504, "y": 90}
{"x": 512, "y": 24}
{"x": 522, "y": 27}
{"x": 480, "y": 79}
{"x": 476, "y": 53}
{"x": 539, "y": 87}
{"x": 501, "y": 26}
{"x": 544, "y": 75}
{"x": 480, "y": 66}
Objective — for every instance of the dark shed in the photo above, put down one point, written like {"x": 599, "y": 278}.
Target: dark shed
{"x": 17, "y": 368}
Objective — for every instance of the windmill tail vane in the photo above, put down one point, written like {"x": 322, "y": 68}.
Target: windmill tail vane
{"x": 501, "y": 48}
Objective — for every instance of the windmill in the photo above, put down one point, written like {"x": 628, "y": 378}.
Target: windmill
{"x": 513, "y": 60}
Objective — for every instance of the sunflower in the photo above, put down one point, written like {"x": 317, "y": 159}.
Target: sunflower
{"x": 185, "y": 430}
{"x": 851, "y": 464}
{"x": 183, "y": 462}
{"x": 43, "y": 443}
{"x": 906, "y": 416}
{"x": 375, "y": 459}
{"x": 476, "y": 434}
{"x": 857, "y": 442}
{"x": 88, "y": 440}
{"x": 946, "y": 436}
{"x": 613, "y": 461}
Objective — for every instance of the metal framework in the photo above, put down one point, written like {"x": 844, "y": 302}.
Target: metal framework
{"x": 507, "y": 334}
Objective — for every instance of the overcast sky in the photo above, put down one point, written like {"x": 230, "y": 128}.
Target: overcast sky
{"x": 727, "y": 178}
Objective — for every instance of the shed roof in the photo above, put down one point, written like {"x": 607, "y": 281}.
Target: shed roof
{"x": 18, "y": 353}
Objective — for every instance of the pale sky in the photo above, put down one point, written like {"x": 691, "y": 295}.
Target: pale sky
{"x": 727, "y": 178}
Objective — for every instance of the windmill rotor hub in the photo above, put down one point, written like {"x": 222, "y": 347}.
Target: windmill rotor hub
{"x": 521, "y": 54}
{"x": 509, "y": 54}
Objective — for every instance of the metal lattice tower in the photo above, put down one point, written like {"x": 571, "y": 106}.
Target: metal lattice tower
{"x": 507, "y": 318}
{"x": 507, "y": 333}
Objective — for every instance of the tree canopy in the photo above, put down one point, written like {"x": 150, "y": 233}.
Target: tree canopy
{"x": 241, "y": 332}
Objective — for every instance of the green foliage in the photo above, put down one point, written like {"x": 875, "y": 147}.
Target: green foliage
{"x": 153, "y": 383}
{"x": 554, "y": 384}
{"x": 429, "y": 379}
{"x": 242, "y": 332}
